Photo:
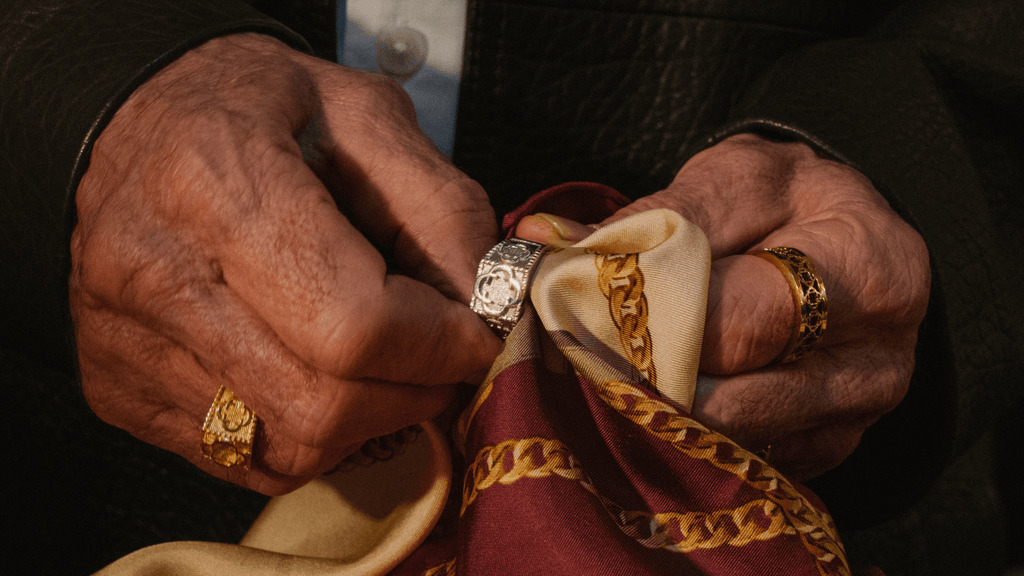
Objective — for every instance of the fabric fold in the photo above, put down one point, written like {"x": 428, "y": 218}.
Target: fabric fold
{"x": 628, "y": 302}
{"x": 576, "y": 455}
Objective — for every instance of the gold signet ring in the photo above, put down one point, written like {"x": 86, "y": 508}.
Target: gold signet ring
{"x": 228, "y": 431}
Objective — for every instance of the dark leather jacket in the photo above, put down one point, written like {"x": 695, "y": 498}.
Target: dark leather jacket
{"x": 919, "y": 96}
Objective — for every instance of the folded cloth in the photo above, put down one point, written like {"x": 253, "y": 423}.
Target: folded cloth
{"x": 576, "y": 455}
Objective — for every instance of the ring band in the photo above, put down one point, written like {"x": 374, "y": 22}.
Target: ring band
{"x": 503, "y": 281}
{"x": 808, "y": 296}
{"x": 228, "y": 431}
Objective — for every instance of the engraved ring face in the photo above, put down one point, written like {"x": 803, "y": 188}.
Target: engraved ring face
{"x": 498, "y": 289}
{"x": 234, "y": 415}
{"x": 229, "y": 430}
{"x": 515, "y": 253}
{"x": 502, "y": 282}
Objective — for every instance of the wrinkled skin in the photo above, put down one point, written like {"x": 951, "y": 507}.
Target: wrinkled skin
{"x": 212, "y": 249}
{"x": 748, "y": 193}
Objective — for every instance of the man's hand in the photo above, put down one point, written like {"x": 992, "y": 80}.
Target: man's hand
{"x": 227, "y": 235}
{"x": 747, "y": 194}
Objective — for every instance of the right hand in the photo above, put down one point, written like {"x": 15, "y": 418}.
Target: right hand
{"x": 213, "y": 249}
{"x": 747, "y": 193}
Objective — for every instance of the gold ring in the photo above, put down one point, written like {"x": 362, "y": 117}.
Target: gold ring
{"x": 808, "y": 296}
{"x": 228, "y": 431}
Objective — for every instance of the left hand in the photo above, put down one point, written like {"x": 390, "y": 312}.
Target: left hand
{"x": 746, "y": 194}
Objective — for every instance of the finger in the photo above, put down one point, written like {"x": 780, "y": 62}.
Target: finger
{"x": 323, "y": 289}
{"x": 226, "y": 342}
{"x": 742, "y": 288}
{"x": 871, "y": 292}
{"x": 146, "y": 384}
{"x": 403, "y": 193}
{"x": 813, "y": 452}
{"x": 736, "y": 192}
{"x": 237, "y": 349}
{"x": 442, "y": 246}
{"x": 748, "y": 194}
{"x": 847, "y": 386}
{"x": 160, "y": 389}
{"x": 753, "y": 313}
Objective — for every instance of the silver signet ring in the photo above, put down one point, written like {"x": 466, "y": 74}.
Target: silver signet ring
{"x": 503, "y": 281}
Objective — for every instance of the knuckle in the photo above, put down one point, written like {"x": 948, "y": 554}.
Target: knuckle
{"x": 751, "y": 154}
{"x": 383, "y": 95}
{"x": 95, "y": 392}
{"x": 299, "y": 465}
{"x": 815, "y": 451}
{"x": 314, "y": 415}
{"x": 274, "y": 485}
{"x": 896, "y": 287}
{"x": 880, "y": 385}
{"x": 355, "y": 344}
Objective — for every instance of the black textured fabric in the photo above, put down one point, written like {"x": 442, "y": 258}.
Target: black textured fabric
{"x": 80, "y": 494}
{"x": 614, "y": 91}
{"x": 314, "y": 20}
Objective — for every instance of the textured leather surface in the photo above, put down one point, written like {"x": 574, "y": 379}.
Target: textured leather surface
{"x": 65, "y": 67}
{"x": 314, "y": 20}
{"x": 610, "y": 92}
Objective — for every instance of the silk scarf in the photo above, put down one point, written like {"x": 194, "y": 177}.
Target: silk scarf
{"x": 575, "y": 456}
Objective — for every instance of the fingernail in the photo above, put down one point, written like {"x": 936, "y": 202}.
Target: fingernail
{"x": 565, "y": 229}
{"x": 552, "y": 230}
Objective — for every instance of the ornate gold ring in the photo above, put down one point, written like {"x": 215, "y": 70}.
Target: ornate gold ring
{"x": 808, "y": 296}
{"x": 228, "y": 431}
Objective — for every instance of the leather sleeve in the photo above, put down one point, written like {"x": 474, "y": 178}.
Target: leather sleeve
{"x": 929, "y": 107}
{"x": 65, "y": 68}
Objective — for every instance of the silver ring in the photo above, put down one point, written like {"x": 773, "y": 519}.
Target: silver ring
{"x": 503, "y": 281}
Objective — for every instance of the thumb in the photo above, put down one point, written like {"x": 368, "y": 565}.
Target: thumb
{"x": 552, "y": 230}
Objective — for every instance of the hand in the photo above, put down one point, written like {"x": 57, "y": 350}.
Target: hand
{"x": 747, "y": 194}
{"x": 210, "y": 250}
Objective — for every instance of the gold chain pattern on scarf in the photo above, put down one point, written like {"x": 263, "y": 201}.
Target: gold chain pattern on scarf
{"x": 446, "y": 569}
{"x": 782, "y": 510}
{"x": 704, "y": 531}
{"x": 461, "y": 430}
{"x": 684, "y": 532}
{"x": 622, "y": 283}
{"x": 815, "y": 528}
{"x": 672, "y": 531}
{"x": 530, "y": 458}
